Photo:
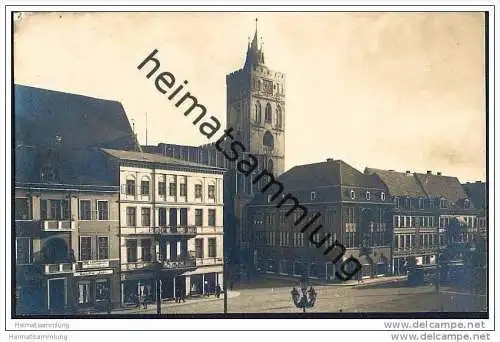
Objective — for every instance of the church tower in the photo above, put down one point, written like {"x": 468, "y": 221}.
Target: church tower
{"x": 256, "y": 113}
{"x": 256, "y": 110}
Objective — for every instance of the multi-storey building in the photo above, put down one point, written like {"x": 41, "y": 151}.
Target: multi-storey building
{"x": 477, "y": 193}
{"x": 256, "y": 116}
{"x": 65, "y": 209}
{"x": 353, "y": 209}
{"x": 426, "y": 207}
{"x": 171, "y": 225}
{"x": 66, "y": 243}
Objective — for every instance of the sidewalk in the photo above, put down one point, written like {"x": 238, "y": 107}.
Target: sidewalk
{"x": 167, "y": 305}
{"x": 352, "y": 282}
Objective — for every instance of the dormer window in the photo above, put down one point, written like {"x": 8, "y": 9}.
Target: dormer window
{"x": 368, "y": 195}
{"x": 420, "y": 203}
{"x": 396, "y": 202}
{"x": 382, "y": 196}
{"x": 407, "y": 203}
{"x": 314, "y": 195}
{"x": 442, "y": 203}
{"x": 353, "y": 194}
{"x": 466, "y": 204}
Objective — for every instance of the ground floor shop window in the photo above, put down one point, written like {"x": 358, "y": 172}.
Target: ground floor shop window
{"x": 83, "y": 293}
{"x": 102, "y": 290}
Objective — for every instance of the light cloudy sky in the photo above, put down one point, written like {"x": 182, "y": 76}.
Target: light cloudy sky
{"x": 401, "y": 91}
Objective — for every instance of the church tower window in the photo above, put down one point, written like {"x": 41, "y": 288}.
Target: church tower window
{"x": 279, "y": 118}
{"x": 258, "y": 113}
{"x": 269, "y": 114}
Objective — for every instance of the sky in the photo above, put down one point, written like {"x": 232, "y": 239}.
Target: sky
{"x": 401, "y": 91}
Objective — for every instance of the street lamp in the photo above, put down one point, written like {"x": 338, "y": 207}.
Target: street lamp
{"x": 157, "y": 267}
{"x": 305, "y": 298}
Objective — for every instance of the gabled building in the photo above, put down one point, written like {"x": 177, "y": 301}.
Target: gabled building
{"x": 353, "y": 209}
{"x": 425, "y": 209}
{"x": 478, "y": 194}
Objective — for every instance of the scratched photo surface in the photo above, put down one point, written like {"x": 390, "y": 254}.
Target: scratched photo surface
{"x": 249, "y": 162}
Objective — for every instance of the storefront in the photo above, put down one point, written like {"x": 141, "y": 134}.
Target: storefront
{"x": 94, "y": 290}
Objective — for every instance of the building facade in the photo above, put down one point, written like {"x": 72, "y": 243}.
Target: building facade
{"x": 171, "y": 226}
{"x": 66, "y": 246}
{"x": 353, "y": 210}
{"x": 425, "y": 208}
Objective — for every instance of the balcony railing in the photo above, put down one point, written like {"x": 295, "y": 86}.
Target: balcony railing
{"x": 179, "y": 263}
{"x": 175, "y": 264}
{"x": 209, "y": 261}
{"x": 209, "y": 230}
{"x": 58, "y": 225}
{"x": 179, "y": 230}
{"x": 87, "y": 264}
{"x": 139, "y": 265}
{"x": 59, "y": 268}
{"x": 419, "y": 250}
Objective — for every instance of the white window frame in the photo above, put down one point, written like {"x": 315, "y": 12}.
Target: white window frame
{"x": 314, "y": 195}
{"x": 86, "y": 283}
{"x": 80, "y": 208}
{"x": 368, "y": 195}
{"x": 97, "y": 246}
{"x": 98, "y": 212}
{"x": 382, "y": 196}
{"x": 80, "y": 246}
{"x": 353, "y": 195}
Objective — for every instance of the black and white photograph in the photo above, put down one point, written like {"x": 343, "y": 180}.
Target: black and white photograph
{"x": 266, "y": 167}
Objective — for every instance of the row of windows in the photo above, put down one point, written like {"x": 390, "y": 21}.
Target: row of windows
{"x": 409, "y": 241}
{"x": 130, "y": 189}
{"x": 367, "y": 195}
{"x": 423, "y": 203}
{"x": 131, "y": 220}
{"x": 57, "y": 209}
{"x": 24, "y": 249}
{"x": 268, "y": 115}
{"x": 86, "y": 249}
{"x": 414, "y": 221}
{"x": 285, "y": 239}
{"x": 174, "y": 250}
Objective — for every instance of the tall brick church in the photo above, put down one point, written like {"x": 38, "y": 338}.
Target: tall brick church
{"x": 256, "y": 113}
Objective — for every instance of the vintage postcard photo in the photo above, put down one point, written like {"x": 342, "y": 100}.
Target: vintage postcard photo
{"x": 251, "y": 164}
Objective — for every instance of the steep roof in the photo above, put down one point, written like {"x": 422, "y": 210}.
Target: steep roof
{"x": 46, "y": 118}
{"x": 477, "y": 193}
{"x": 333, "y": 172}
{"x": 399, "y": 184}
{"x": 154, "y": 158}
{"x": 441, "y": 186}
{"x": 62, "y": 166}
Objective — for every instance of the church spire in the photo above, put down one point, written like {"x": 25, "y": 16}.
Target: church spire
{"x": 254, "y": 54}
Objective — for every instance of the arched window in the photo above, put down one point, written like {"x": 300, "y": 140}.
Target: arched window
{"x": 268, "y": 140}
{"x": 269, "y": 114}
{"x": 258, "y": 112}
{"x": 279, "y": 119}
{"x": 270, "y": 166}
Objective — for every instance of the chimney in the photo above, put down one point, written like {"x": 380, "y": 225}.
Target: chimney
{"x": 429, "y": 172}
{"x": 408, "y": 171}
{"x": 391, "y": 170}
{"x": 329, "y": 159}
{"x": 439, "y": 173}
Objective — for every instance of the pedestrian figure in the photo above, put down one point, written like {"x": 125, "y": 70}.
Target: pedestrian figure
{"x": 207, "y": 291}
{"x": 217, "y": 291}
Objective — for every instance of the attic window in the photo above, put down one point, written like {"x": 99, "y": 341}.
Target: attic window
{"x": 314, "y": 195}
{"x": 396, "y": 202}
{"x": 368, "y": 195}
{"x": 442, "y": 203}
{"x": 420, "y": 203}
{"x": 466, "y": 203}
{"x": 353, "y": 194}
{"x": 382, "y": 196}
